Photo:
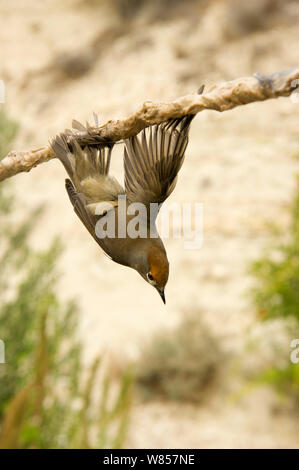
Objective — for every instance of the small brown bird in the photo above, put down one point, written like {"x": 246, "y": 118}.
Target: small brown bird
{"x": 151, "y": 164}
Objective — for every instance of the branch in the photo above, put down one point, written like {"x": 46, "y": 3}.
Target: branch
{"x": 220, "y": 97}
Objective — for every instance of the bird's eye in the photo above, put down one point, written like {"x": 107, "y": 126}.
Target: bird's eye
{"x": 150, "y": 277}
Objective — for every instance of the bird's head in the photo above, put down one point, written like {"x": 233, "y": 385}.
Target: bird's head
{"x": 153, "y": 266}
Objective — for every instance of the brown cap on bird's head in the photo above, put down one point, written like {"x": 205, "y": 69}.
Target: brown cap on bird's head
{"x": 158, "y": 269}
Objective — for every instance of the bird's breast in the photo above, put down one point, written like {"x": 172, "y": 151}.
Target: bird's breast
{"x": 121, "y": 230}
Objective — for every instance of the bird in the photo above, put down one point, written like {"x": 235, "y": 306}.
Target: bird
{"x": 152, "y": 160}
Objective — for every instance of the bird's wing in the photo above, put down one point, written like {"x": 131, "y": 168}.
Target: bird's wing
{"x": 153, "y": 160}
{"x": 79, "y": 206}
{"x": 87, "y": 218}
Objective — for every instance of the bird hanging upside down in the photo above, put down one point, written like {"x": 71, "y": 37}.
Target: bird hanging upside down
{"x": 151, "y": 164}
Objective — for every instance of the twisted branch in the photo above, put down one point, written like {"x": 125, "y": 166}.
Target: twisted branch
{"x": 220, "y": 97}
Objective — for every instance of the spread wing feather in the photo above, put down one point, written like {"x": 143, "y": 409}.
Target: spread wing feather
{"x": 77, "y": 201}
{"x": 153, "y": 161}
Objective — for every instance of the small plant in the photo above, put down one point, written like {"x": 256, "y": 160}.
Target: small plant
{"x": 285, "y": 380}
{"x": 243, "y": 18}
{"x": 129, "y": 9}
{"x": 276, "y": 291}
{"x": 276, "y": 296}
{"x": 8, "y": 131}
{"x": 44, "y": 401}
{"x": 181, "y": 364}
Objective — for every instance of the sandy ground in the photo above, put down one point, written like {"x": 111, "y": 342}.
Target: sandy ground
{"x": 239, "y": 164}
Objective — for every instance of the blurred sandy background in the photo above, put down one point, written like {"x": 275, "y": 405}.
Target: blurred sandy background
{"x": 64, "y": 60}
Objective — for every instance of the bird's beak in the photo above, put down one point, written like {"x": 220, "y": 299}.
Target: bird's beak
{"x": 162, "y": 294}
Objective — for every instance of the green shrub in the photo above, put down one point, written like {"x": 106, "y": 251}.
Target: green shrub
{"x": 8, "y": 131}
{"x": 44, "y": 401}
{"x": 181, "y": 364}
{"x": 276, "y": 290}
{"x": 276, "y": 295}
{"x": 129, "y": 9}
{"x": 285, "y": 380}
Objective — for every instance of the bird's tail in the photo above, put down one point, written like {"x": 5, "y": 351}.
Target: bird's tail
{"x": 181, "y": 124}
{"x": 87, "y": 166}
{"x": 81, "y": 163}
